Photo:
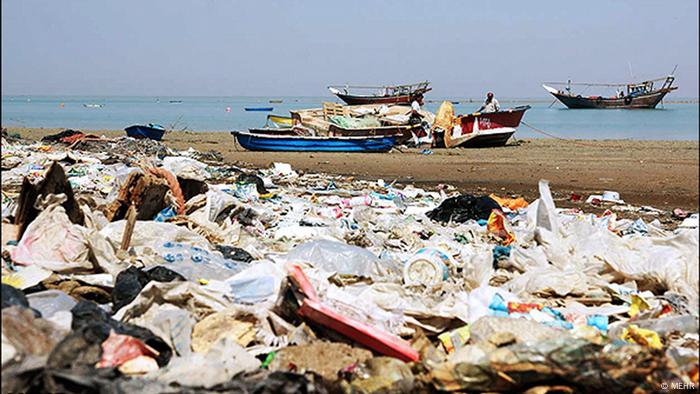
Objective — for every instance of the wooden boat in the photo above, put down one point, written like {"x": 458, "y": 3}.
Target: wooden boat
{"x": 318, "y": 121}
{"x": 93, "y": 105}
{"x": 484, "y": 129}
{"x": 398, "y": 94}
{"x": 275, "y": 101}
{"x": 629, "y": 96}
{"x": 260, "y": 109}
{"x": 298, "y": 143}
{"x": 151, "y": 131}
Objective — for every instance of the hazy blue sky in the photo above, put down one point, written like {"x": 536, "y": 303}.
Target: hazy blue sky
{"x": 217, "y": 47}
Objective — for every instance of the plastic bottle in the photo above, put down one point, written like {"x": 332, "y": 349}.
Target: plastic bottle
{"x": 356, "y": 201}
{"x": 428, "y": 266}
{"x": 195, "y": 263}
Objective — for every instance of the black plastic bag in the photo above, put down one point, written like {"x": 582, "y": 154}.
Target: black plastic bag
{"x": 462, "y": 208}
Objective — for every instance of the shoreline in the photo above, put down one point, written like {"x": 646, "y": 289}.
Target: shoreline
{"x": 662, "y": 174}
{"x": 115, "y": 133}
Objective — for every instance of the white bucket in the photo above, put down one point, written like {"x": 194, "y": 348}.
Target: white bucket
{"x": 429, "y": 266}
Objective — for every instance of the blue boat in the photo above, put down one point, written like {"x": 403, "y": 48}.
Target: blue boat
{"x": 150, "y": 131}
{"x": 299, "y": 143}
{"x": 261, "y": 109}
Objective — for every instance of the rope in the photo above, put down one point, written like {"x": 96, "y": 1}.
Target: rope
{"x": 557, "y": 137}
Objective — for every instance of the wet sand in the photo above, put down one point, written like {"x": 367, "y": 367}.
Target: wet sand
{"x": 663, "y": 174}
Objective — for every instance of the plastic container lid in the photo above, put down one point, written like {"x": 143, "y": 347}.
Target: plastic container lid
{"x": 428, "y": 267}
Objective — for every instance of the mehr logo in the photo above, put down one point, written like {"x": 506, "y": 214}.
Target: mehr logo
{"x": 678, "y": 386}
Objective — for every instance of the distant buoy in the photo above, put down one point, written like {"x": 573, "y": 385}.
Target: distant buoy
{"x": 228, "y": 109}
{"x": 61, "y": 105}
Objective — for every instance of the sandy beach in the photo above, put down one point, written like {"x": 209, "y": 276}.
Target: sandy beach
{"x": 663, "y": 174}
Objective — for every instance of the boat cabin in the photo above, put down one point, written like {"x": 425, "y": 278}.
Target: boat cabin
{"x": 647, "y": 87}
{"x": 640, "y": 88}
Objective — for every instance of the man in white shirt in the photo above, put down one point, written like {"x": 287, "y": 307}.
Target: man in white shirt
{"x": 490, "y": 105}
{"x": 416, "y": 106}
{"x": 415, "y": 119}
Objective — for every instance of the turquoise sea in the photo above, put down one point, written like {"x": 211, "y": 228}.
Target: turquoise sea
{"x": 670, "y": 121}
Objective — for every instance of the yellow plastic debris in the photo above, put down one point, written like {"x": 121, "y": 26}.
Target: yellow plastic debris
{"x": 639, "y": 304}
{"x": 13, "y": 280}
{"x": 455, "y": 339}
{"x": 499, "y": 226}
{"x": 641, "y": 336}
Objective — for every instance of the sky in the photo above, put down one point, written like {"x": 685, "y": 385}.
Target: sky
{"x": 297, "y": 48}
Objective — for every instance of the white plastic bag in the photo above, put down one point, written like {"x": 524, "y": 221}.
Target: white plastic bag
{"x": 187, "y": 168}
{"x": 331, "y": 257}
{"x": 52, "y": 242}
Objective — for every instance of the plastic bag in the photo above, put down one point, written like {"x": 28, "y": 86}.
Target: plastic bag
{"x": 331, "y": 256}
{"x": 150, "y": 234}
{"x": 479, "y": 301}
{"x": 258, "y": 283}
{"x": 185, "y": 167}
{"x": 52, "y": 242}
{"x": 499, "y": 226}
{"x": 50, "y": 302}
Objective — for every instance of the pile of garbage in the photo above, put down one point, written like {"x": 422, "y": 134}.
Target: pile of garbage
{"x": 160, "y": 272}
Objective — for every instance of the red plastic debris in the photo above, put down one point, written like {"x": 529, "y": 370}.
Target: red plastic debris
{"x": 118, "y": 349}
{"x": 516, "y": 307}
{"x": 372, "y": 337}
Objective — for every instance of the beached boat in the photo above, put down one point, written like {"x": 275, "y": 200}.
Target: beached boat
{"x": 398, "y": 94}
{"x": 627, "y": 96}
{"x": 484, "y": 129}
{"x": 301, "y": 143}
{"x": 361, "y": 120}
{"x": 150, "y": 131}
{"x": 260, "y": 109}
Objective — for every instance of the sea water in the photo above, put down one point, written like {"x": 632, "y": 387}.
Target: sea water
{"x": 670, "y": 121}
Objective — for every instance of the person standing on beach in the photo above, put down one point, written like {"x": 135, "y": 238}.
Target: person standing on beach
{"x": 421, "y": 134}
{"x": 416, "y": 106}
{"x": 490, "y": 105}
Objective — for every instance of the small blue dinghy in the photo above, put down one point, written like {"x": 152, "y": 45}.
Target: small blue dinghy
{"x": 261, "y": 109}
{"x": 300, "y": 143}
{"x": 151, "y": 131}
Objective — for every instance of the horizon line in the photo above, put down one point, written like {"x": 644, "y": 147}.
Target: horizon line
{"x": 272, "y": 96}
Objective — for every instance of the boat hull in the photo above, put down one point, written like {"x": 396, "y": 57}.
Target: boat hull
{"x": 485, "y": 129}
{"x": 489, "y": 139}
{"x": 145, "y": 132}
{"x": 364, "y": 100}
{"x": 403, "y": 132}
{"x": 352, "y": 99}
{"x": 258, "y": 109}
{"x": 645, "y": 101}
{"x": 286, "y": 143}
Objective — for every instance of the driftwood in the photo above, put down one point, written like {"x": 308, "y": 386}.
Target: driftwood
{"x": 128, "y": 228}
{"x": 55, "y": 182}
{"x": 145, "y": 191}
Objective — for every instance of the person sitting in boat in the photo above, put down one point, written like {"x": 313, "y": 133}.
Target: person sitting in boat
{"x": 490, "y": 105}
